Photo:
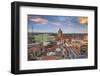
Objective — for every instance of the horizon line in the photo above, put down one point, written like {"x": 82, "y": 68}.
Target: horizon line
{"x": 57, "y": 32}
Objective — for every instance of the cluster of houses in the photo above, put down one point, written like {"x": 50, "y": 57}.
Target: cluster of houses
{"x": 57, "y": 48}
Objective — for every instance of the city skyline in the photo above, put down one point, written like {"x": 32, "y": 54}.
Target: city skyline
{"x": 51, "y": 24}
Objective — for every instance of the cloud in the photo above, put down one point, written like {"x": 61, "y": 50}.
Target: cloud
{"x": 39, "y": 20}
{"x": 83, "y": 20}
{"x": 56, "y": 23}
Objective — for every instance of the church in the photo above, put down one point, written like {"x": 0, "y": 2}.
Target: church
{"x": 60, "y": 37}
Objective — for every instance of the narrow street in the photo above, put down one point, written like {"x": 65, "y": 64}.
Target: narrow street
{"x": 72, "y": 53}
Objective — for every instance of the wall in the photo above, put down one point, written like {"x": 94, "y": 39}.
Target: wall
{"x": 5, "y": 41}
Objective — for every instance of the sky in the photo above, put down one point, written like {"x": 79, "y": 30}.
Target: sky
{"x": 51, "y": 24}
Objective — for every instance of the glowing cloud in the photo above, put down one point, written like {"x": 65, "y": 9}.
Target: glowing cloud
{"x": 83, "y": 20}
{"x": 40, "y": 20}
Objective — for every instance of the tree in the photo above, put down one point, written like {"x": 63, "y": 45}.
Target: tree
{"x": 42, "y": 38}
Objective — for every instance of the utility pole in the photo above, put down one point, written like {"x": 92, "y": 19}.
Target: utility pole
{"x": 32, "y": 33}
